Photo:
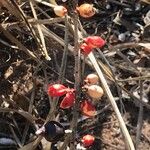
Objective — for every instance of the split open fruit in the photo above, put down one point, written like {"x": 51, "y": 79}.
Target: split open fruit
{"x": 94, "y": 41}
{"x": 88, "y": 109}
{"x": 68, "y": 100}
{"x": 56, "y": 90}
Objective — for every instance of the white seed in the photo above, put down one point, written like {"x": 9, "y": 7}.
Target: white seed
{"x": 91, "y": 78}
{"x": 122, "y": 37}
{"x": 60, "y": 11}
{"x": 95, "y": 91}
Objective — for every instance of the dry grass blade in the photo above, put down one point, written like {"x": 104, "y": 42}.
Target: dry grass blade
{"x": 106, "y": 70}
{"x": 15, "y": 136}
{"x": 30, "y": 111}
{"x": 27, "y": 24}
{"x": 15, "y": 41}
{"x": 64, "y": 59}
{"x": 7, "y": 44}
{"x": 45, "y": 3}
{"x": 32, "y": 145}
{"x": 25, "y": 114}
{"x": 140, "y": 116}
{"x": 113, "y": 103}
{"x": 11, "y": 8}
{"x": 33, "y": 21}
{"x": 43, "y": 47}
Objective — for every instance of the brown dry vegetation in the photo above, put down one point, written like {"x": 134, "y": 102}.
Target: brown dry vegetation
{"x": 38, "y": 48}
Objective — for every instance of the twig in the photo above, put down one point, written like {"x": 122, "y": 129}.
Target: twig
{"x": 140, "y": 116}
{"x": 135, "y": 98}
{"x": 113, "y": 103}
{"x": 15, "y": 136}
{"x": 14, "y": 40}
{"x": 45, "y": 3}
{"x": 115, "y": 81}
{"x": 134, "y": 78}
{"x": 30, "y": 111}
{"x": 77, "y": 87}
{"x": 71, "y": 137}
{"x": 61, "y": 76}
{"x": 64, "y": 59}
{"x": 32, "y": 145}
{"x": 43, "y": 47}
{"x": 33, "y": 21}
{"x": 7, "y": 44}
{"x": 28, "y": 24}
{"x": 23, "y": 113}
{"x": 127, "y": 60}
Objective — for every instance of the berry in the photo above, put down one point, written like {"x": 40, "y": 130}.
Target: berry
{"x": 88, "y": 140}
{"x": 54, "y": 131}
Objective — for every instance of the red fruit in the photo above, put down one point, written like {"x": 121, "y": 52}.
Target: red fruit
{"x": 68, "y": 101}
{"x": 88, "y": 109}
{"x": 85, "y": 48}
{"x": 94, "y": 41}
{"x": 88, "y": 140}
{"x": 57, "y": 90}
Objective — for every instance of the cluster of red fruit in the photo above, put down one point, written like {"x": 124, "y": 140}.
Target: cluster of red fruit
{"x": 86, "y": 107}
{"x": 86, "y": 11}
{"x": 91, "y": 88}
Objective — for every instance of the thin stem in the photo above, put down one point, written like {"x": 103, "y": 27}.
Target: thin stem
{"x": 45, "y": 3}
{"x": 64, "y": 59}
{"x": 77, "y": 81}
{"x": 140, "y": 116}
{"x": 113, "y": 103}
{"x": 40, "y": 33}
{"x": 115, "y": 81}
